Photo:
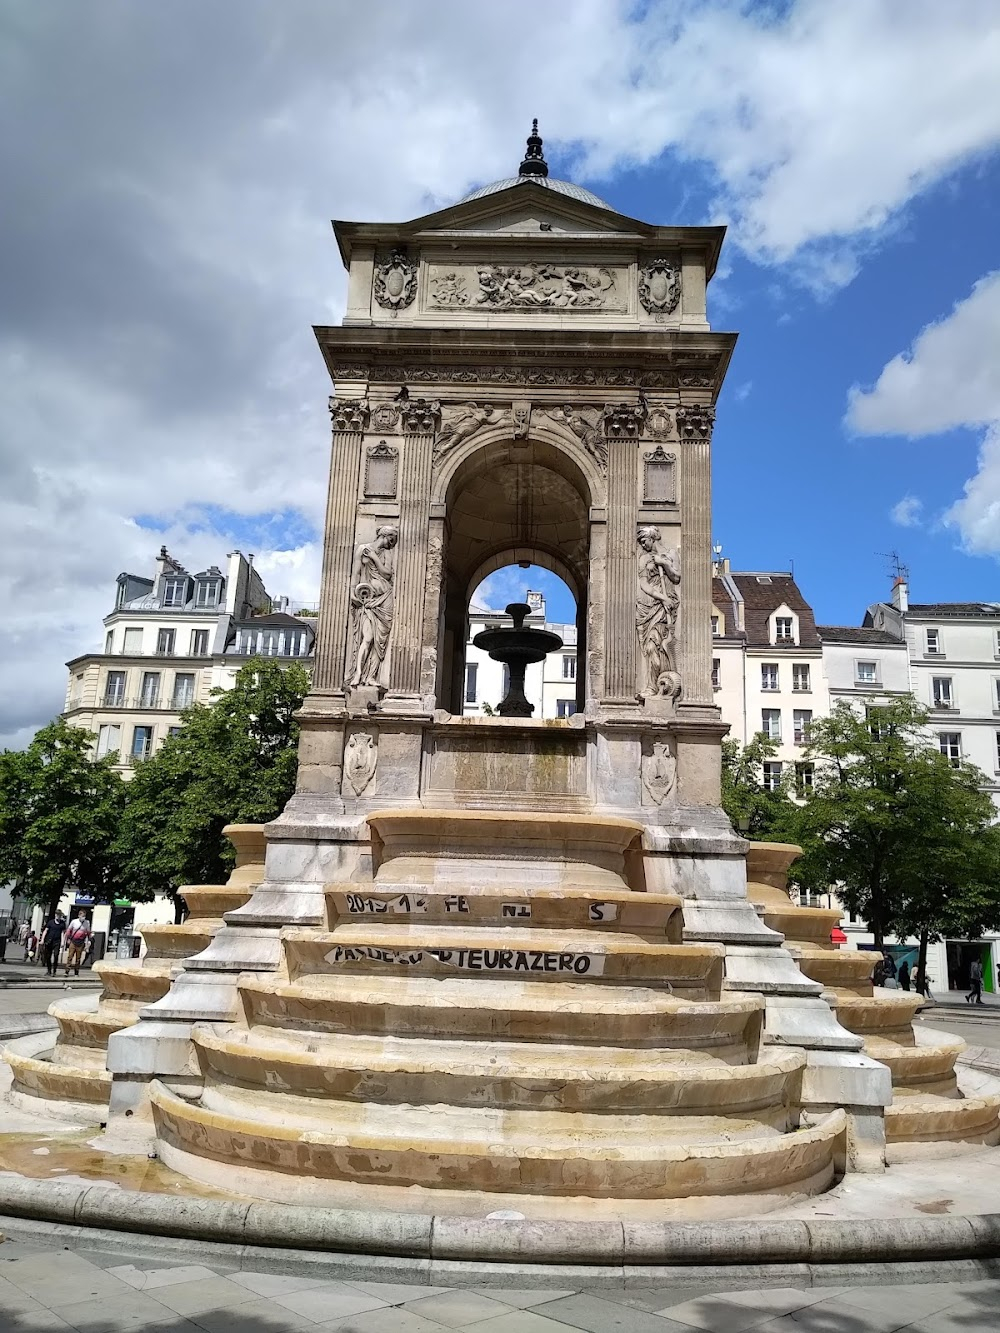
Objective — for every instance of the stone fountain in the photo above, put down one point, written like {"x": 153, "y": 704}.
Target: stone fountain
{"x": 506, "y": 964}
{"x": 517, "y": 647}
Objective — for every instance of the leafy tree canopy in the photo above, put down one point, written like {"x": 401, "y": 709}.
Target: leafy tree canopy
{"x": 760, "y": 813}
{"x": 59, "y": 812}
{"x": 906, "y": 837}
{"x": 233, "y": 761}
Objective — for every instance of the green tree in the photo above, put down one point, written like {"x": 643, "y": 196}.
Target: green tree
{"x": 59, "y": 812}
{"x": 760, "y": 813}
{"x": 233, "y": 761}
{"x": 904, "y": 835}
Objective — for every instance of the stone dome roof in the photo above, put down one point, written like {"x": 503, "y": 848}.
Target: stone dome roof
{"x": 535, "y": 169}
{"x": 548, "y": 182}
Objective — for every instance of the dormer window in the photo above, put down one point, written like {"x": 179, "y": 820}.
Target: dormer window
{"x": 783, "y": 629}
{"x": 207, "y": 593}
{"x": 174, "y": 592}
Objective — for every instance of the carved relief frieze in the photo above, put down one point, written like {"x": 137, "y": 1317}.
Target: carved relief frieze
{"x": 360, "y": 760}
{"x": 623, "y": 377}
{"x": 659, "y": 484}
{"x": 695, "y": 421}
{"x": 660, "y": 286}
{"x": 585, "y": 424}
{"x": 381, "y": 467}
{"x": 460, "y": 422}
{"x": 421, "y": 415}
{"x": 528, "y": 286}
{"x": 372, "y": 606}
{"x": 657, "y": 604}
{"x": 349, "y": 414}
{"x": 395, "y": 281}
{"x": 659, "y": 772}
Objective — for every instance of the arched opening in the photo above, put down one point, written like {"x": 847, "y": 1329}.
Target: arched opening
{"x": 552, "y": 685}
{"x": 506, "y": 504}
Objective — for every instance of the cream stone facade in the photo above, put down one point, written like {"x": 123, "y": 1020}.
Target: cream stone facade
{"x": 169, "y": 642}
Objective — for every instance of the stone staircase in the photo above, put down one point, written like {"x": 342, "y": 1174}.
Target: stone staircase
{"x": 928, "y": 1111}
{"x": 71, "y": 1077}
{"x": 498, "y": 1021}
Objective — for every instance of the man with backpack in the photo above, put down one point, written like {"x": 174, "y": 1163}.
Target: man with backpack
{"x": 77, "y": 938}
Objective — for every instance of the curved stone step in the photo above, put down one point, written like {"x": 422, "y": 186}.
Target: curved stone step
{"x": 884, "y": 1013}
{"x": 133, "y": 980}
{"x": 501, "y": 1075}
{"x": 212, "y": 901}
{"x": 90, "y": 1027}
{"x": 522, "y": 1152}
{"x": 806, "y": 925}
{"x": 566, "y": 908}
{"x": 837, "y": 969}
{"x": 925, "y": 1119}
{"x": 923, "y": 1068}
{"x": 57, "y": 1082}
{"x": 180, "y": 941}
{"x": 518, "y": 953}
{"x": 560, "y": 1011}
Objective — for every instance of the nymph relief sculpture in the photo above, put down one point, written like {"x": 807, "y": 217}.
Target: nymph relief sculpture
{"x": 372, "y": 606}
{"x": 657, "y": 603}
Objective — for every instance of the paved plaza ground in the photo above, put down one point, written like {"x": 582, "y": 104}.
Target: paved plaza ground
{"x": 50, "y": 1280}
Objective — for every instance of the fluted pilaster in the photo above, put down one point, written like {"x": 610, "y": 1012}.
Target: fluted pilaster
{"x": 338, "y": 555}
{"x": 694, "y": 426}
{"x": 411, "y": 569}
{"x": 619, "y": 613}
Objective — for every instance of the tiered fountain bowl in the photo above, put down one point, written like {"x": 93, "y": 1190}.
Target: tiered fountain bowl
{"x": 518, "y": 647}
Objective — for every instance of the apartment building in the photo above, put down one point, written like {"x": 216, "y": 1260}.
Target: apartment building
{"x": 550, "y": 685}
{"x": 168, "y": 642}
{"x": 767, "y": 667}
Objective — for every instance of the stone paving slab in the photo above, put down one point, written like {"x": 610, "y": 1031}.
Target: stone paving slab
{"x": 51, "y": 1286}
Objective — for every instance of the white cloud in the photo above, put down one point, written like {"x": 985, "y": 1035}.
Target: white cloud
{"x": 949, "y": 377}
{"x": 908, "y": 512}
{"x": 166, "y": 244}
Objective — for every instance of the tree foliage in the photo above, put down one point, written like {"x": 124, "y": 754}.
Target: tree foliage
{"x": 760, "y": 813}
{"x": 59, "y": 812}
{"x": 906, "y": 837}
{"x": 233, "y": 761}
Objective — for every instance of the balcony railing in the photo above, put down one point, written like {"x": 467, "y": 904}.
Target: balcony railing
{"x": 151, "y": 703}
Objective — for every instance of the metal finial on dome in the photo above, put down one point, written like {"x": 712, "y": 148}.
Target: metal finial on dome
{"x": 534, "y": 163}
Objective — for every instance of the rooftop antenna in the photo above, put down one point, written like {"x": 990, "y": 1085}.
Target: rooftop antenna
{"x": 898, "y": 572}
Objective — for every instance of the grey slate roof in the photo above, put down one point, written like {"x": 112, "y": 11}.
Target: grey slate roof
{"x": 856, "y": 634}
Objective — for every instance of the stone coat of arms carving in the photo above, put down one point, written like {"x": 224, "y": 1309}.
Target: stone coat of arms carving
{"x": 360, "y": 759}
{"x": 395, "y": 283}
{"x": 660, "y": 286}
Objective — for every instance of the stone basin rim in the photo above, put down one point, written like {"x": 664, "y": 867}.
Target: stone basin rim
{"x": 603, "y": 1250}
{"x": 559, "y": 827}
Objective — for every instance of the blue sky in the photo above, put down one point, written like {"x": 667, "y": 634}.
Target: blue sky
{"x": 167, "y": 250}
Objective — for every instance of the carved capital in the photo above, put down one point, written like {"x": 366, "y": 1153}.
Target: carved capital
{"x": 624, "y": 421}
{"x": 660, "y": 286}
{"x": 349, "y": 414}
{"x": 395, "y": 282}
{"x": 695, "y": 421}
{"x": 421, "y": 416}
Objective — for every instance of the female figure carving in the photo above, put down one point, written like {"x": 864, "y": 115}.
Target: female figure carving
{"x": 656, "y": 605}
{"x": 372, "y": 604}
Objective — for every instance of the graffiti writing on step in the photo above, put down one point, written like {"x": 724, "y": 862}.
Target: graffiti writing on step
{"x": 476, "y": 960}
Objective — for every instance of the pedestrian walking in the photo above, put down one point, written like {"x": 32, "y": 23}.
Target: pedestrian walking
{"x": 30, "y": 947}
{"x": 52, "y": 934}
{"x": 975, "y": 995}
{"x": 77, "y": 939}
{"x": 903, "y": 975}
{"x": 922, "y": 985}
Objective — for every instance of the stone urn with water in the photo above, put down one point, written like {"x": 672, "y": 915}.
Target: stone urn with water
{"x": 517, "y": 647}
